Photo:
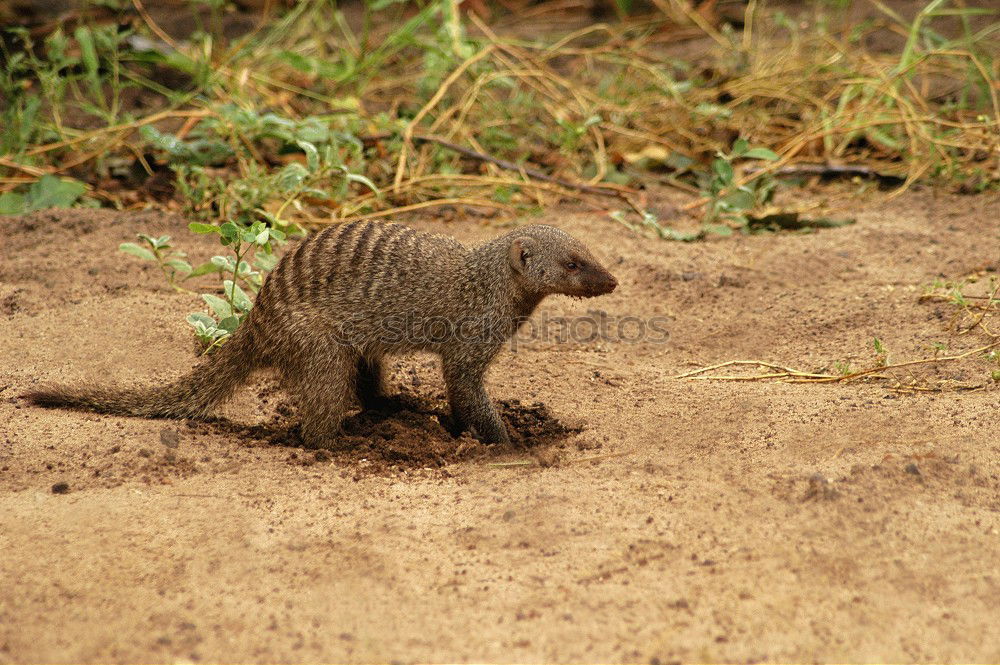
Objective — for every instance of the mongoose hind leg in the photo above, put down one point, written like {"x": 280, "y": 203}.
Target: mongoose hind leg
{"x": 323, "y": 386}
{"x": 471, "y": 407}
{"x": 371, "y": 385}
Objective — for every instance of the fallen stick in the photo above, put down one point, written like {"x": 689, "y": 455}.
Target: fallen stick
{"x": 830, "y": 170}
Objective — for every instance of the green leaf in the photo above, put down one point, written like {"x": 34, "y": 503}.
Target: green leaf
{"x": 229, "y": 233}
{"x": 292, "y": 176}
{"x": 881, "y": 136}
{"x": 740, "y": 147}
{"x": 312, "y": 155}
{"x": 88, "y": 53}
{"x": 299, "y": 62}
{"x": 204, "y": 269}
{"x": 263, "y": 237}
{"x": 218, "y": 305}
{"x": 718, "y": 229}
{"x": 723, "y": 169}
{"x": 53, "y": 192}
{"x": 201, "y": 317}
{"x": 364, "y": 180}
{"x": 136, "y": 250}
{"x": 198, "y": 227}
{"x": 180, "y": 266}
{"x": 378, "y": 5}
{"x": 12, "y": 203}
{"x": 319, "y": 194}
{"x": 740, "y": 199}
{"x": 265, "y": 262}
{"x": 761, "y": 153}
{"x": 229, "y": 324}
{"x": 223, "y": 263}
{"x": 240, "y": 299}
{"x": 709, "y": 109}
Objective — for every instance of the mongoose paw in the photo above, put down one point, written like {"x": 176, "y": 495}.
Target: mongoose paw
{"x": 499, "y": 436}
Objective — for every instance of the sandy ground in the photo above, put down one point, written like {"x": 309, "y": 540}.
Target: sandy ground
{"x": 681, "y": 523}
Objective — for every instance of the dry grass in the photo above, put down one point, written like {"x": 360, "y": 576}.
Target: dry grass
{"x": 454, "y": 112}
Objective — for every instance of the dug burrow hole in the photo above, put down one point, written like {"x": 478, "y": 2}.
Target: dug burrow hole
{"x": 415, "y": 433}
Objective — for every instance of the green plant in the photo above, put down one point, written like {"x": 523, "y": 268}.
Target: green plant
{"x": 82, "y": 73}
{"x": 881, "y": 353}
{"x": 730, "y": 202}
{"x": 159, "y": 250}
{"x": 49, "y": 191}
{"x": 228, "y": 115}
{"x": 326, "y": 156}
{"x": 572, "y": 132}
{"x": 233, "y": 307}
{"x": 20, "y": 117}
{"x": 252, "y": 256}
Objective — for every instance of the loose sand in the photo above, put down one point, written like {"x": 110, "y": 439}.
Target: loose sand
{"x": 640, "y": 519}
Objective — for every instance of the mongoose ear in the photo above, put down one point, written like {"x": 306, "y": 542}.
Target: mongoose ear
{"x": 520, "y": 250}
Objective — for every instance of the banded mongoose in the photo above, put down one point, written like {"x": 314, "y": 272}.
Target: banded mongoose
{"x": 344, "y": 298}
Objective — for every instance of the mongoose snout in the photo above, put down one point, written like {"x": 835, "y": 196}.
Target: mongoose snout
{"x": 344, "y": 298}
{"x": 599, "y": 281}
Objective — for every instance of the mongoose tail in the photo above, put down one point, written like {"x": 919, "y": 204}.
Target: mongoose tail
{"x": 191, "y": 396}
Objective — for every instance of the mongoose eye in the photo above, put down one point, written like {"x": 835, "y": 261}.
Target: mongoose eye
{"x": 571, "y": 266}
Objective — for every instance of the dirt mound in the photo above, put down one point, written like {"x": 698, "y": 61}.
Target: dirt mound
{"x": 414, "y": 432}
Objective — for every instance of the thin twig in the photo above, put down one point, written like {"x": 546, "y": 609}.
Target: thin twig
{"x": 830, "y": 170}
{"x": 758, "y": 363}
{"x": 798, "y": 376}
{"x": 530, "y": 172}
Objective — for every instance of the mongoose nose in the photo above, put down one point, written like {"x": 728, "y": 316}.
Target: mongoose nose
{"x": 607, "y": 284}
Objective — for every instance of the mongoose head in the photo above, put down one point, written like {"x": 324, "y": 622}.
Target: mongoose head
{"x": 547, "y": 261}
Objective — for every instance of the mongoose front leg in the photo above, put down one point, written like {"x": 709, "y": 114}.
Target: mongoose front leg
{"x": 371, "y": 384}
{"x": 471, "y": 407}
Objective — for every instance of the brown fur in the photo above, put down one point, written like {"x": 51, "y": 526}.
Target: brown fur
{"x": 342, "y": 299}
